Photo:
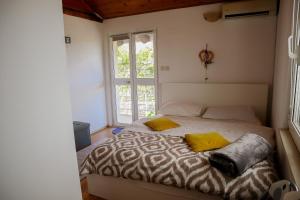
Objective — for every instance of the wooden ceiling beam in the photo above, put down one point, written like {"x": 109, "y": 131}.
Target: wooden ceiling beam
{"x": 94, "y": 11}
{"x": 81, "y": 8}
{"x": 76, "y": 13}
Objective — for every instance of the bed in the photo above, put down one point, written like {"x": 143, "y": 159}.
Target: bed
{"x": 212, "y": 185}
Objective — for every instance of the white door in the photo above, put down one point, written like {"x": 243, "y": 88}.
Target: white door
{"x": 133, "y": 76}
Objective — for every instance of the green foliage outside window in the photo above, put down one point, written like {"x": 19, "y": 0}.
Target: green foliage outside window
{"x": 123, "y": 65}
{"x": 144, "y": 63}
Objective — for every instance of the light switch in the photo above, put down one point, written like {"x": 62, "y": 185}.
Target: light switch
{"x": 164, "y": 68}
{"x": 67, "y": 40}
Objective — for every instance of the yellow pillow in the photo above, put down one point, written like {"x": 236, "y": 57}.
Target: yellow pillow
{"x": 161, "y": 124}
{"x": 206, "y": 141}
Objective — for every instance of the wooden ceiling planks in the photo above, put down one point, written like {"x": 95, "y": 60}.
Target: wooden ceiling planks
{"x": 98, "y": 10}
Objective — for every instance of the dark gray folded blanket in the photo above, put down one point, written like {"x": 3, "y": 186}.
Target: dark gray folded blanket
{"x": 234, "y": 159}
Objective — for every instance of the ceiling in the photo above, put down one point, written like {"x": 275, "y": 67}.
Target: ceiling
{"x": 99, "y": 10}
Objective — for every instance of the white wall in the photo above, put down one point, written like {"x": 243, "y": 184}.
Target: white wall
{"x": 37, "y": 149}
{"x": 244, "y": 48}
{"x": 85, "y": 71}
{"x": 281, "y": 91}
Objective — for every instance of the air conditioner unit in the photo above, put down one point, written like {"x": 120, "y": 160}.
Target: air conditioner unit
{"x": 249, "y": 8}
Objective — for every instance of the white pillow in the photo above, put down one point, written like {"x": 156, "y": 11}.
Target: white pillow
{"x": 181, "y": 109}
{"x": 242, "y": 113}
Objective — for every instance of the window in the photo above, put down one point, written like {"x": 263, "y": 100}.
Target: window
{"x": 295, "y": 69}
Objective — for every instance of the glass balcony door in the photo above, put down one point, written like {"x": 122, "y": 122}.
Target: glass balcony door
{"x": 134, "y": 76}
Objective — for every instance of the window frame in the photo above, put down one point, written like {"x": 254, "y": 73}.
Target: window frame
{"x": 294, "y": 125}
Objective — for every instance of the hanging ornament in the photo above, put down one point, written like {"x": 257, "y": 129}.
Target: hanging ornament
{"x": 206, "y": 58}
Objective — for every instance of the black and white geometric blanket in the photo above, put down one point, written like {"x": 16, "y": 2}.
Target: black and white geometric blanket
{"x": 169, "y": 161}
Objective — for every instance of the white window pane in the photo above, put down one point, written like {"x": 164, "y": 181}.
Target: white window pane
{"x": 121, "y": 58}
{"x": 144, "y": 54}
{"x": 296, "y": 111}
{"x": 124, "y": 104}
{"x": 146, "y": 101}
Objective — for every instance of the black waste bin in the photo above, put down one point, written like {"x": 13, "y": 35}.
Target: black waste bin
{"x": 81, "y": 134}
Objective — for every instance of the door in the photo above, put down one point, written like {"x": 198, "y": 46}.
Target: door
{"x": 133, "y": 76}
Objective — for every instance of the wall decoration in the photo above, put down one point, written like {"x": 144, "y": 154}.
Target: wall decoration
{"x": 206, "y": 58}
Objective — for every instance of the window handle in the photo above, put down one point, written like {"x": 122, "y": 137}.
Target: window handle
{"x": 292, "y": 55}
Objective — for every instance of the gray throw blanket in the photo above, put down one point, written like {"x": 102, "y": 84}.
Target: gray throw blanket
{"x": 234, "y": 159}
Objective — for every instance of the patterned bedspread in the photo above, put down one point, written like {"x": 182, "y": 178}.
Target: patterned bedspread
{"x": 168, "y": 160}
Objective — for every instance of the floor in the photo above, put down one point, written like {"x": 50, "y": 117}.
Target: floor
{"x": 103, "y": 134}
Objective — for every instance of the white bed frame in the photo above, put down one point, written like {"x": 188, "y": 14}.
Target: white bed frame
{"x": 112, "y": 188}
{"x": 254, "y": 95}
